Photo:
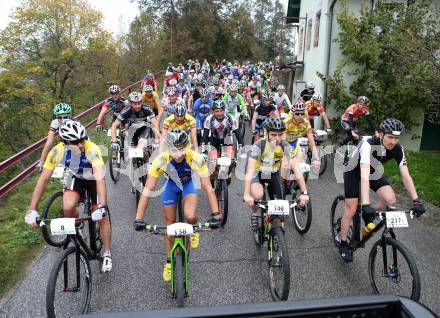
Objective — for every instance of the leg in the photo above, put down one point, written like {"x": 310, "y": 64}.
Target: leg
{"x": 387, "y": 197}
{"x": 70, "y": 200}
{"x": 349, "y": 212}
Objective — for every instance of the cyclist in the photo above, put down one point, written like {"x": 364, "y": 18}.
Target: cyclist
{"x": 61, "y": 112}
{"x": 235, "y": 103}
{"x": 202, "y": 108}
{"x": 180, "y": 165}
{"x": 195, "y": 94}
{"x": 169, "y": 102}
{"x": 216, "y": 90}
{"x": 85, "y": 169}
{"x": 264, "y": 164}
{"x": 138, "y": 116}
{"x": 255, "y": 86}
{"x": 281, "y": 99}
{"x": 308, "y": 92}
{"x": 116, "y": 103}
{"x": 315, "y": 108}
{"x": 149, "y": 79}
{"x": 298, "y": 126}
{"x": 367, "y": 161}
{"x": 351, "y": 116}
{"x": 262, "y": 111}
{"x": 151, "y": 98}
{"x": 183, "y": 89}
{"x": 183, "y": 121}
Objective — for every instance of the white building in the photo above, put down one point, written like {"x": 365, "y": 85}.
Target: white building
{"x": 317, "y": 51}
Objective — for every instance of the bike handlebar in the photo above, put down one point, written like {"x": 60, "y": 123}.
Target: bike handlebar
{"x": 199, "y": 227}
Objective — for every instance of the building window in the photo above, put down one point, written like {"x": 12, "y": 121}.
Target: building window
{"x": 309, "y": 33}
{"x": 316, "y": 35}
{"x": 301, "y": 41}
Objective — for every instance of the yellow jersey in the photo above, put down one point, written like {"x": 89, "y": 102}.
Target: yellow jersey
{"x": 152, "y": 100}
{"x": 268, "y": 157}
{"x": 188, "y": 123}
{"x": 294, "y": 130}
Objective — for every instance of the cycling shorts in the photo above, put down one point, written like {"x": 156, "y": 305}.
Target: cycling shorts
{"x": 171, "y": 192}
{"x": 273, "y": 182}
{"x": 352, "y": 183}
{"x": 83, "y": 188}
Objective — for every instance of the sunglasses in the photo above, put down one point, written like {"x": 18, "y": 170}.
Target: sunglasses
{"x": 114, "y": 94}
{"x": 299, "y": 114}
{"x": 75, "y": 143}
{"x": 63, "y": 117}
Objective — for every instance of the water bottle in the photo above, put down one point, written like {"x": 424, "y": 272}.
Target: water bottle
{"x": 367, "y": 230}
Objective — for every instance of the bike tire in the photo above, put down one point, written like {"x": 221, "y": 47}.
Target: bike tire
{"x": 51, "y": 290}
{"x": 396, "y": 246}
{"x": 48, "y": 213}
{"x": 242, "y": 129}
{"x": 300, "y": 226}
{"x": 279, "y": 258}
{"x": 179, "y": 279}
{"x": 335, "y": 221}
{"x": 222, "y": 198}
{"x": 324, "y": 163}
{"x": 114, "y": 168}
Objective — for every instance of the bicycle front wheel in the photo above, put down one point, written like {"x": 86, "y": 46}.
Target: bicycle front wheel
{"x": 302, "y": 217}
{"x": 393, "y": 270}
{"x": 222, "y": 199}
{"x": 114, "y": 165}
{"x": 179, "y": 279}
{"x": 336, "y": 212}
{"x": 279, "y": 266}
{"x": 70, "y": 285}
{"x": 323, "y": 156}
{"x": 53, "y": 209}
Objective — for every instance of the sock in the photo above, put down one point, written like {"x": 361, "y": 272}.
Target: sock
{"x": 107, "y": 254}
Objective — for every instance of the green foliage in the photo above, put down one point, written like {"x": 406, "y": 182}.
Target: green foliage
{"x": 391, "y": 54}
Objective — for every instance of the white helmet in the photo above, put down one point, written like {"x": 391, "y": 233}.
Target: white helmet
{"x": 135, "y": 97}
{"x": 317, "y": 97}
{"x": 168, "y": 73}
{"x": 114, "y": 89}
{"x": 72, "y": 131}
{"x": 310, "y": 85}
{"x": 230, "y": 77}
{"x": 172, "y": 82}
{"x": 281, "y": 87}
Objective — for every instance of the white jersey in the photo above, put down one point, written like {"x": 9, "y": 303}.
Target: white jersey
{"x": 214, "y": 91}
{"x": 168, "y": 106}
{"x": 279, "y": 100}
{"x": 220, "y": 128}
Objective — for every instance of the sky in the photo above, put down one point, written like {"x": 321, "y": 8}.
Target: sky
{"x": 117, "y": 13}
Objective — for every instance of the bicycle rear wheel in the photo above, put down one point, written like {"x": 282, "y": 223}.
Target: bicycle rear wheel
{"x": 53, "y": 209}
{"x": 221, "y": 193}
{"x": 302, "y": 217}
{"x": 402, "y": 276}
{"x": 323, "y": 158}
{"x": 179, "y": 280}
{"x": 337, "y": 210}
{"x": 279, "y": 266}
{"x": 70, "y": 285}
{"x": 114, "y": 166}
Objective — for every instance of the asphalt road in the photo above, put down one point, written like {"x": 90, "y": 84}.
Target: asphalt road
{"x": 227, "y": 268}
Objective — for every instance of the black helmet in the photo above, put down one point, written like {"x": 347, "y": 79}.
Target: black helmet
{"x": 176, "y": 138}
{"x": 268, "y": 95}
{"x": 392, "y": 126}
{"x": 218, "y": 104}
{"x": 274, "y": 124}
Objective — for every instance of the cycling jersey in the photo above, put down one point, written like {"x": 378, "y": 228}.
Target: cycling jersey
{"x": 149, "y": 81}
{"x": 219, "y": 128}
{"x": 169, "y": 106}
{"x": 269, "y": 157}
{"x": 233, "y": 103}
{"x": 216, "y": 91}
{"x": 152, "y": 101}
{"x": 294, "y": 130}
{"x": 373, "y": 153}
{"x": 314, "y": 108}
{"x": 183, "y": 89}
{"x": 129, "y": 117}
{"x": 80, "y": 163}
{"x": 356, "y": 111}
{"x": 279, "y": 100}
{"x": 116, "y": 105}
{"x": 254, "y": 86}
{"x": 262, "y": 112}
{"x": 201, "y": 111}
{"x": 188, "y": 123}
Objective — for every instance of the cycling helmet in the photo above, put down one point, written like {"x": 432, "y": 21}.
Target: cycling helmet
{"x": 215, "y": 81}
{"x": 168, "y": 73}
{"x": 230, "y": 77}
{"x": 200, "y": 77}
{"x": 148, "y": 88}
{"x": 62, "y": 109}
{"x": 310, "y": 85}
{"x": 114, "y": 89}
{"x": 204, "y": 92}
{"x": 176, "y": 138}
{"x": 298, "y": 106}
{"x": 363, "y": 100}
{"x": 274, "y": 124}
{"x": 317, "y": 97}
{"x": 172, "y": 82}
{"x": 71, "y": 131}
{"x": 218, "y": 104}
{"x": 281, "y": 87}
{"x": 392, "y": 126}
{"x": 268, "y": 95}
{"x": 262, "y": 72}
{"x": 149, "y": 74}
{"x": 171, "y": 91}
{"x": 233, "y": 87}
{"x": 243, "y": 83}
{"x": 179, "y": 109}
{"x": 135, "y": 97}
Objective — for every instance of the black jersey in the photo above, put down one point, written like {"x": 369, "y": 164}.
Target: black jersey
{"x": 128, "y": 116}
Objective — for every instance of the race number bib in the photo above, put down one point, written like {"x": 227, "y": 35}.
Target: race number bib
{"x": 135, "y": 153}
{"x": 58, "y": 172}
{"x": 62, "y": 226}
{"x": 224, "y": 161}
{"x": 180, "y": 229}
{"x": 278, "y": 207}
{"x": 396, "y": 219}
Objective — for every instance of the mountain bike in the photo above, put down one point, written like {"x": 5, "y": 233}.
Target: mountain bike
{"x": 391, "y": 267}
{"x": 302, "y": 215}
{"x": 271, "y": 229}
{"x": 69, "y": 287}
{"x": 179, "y": 253}
{"x": 307, "y": 153}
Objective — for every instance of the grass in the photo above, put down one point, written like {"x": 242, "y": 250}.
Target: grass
{"x": 424, "y": 168}
{"x": 18, "y": 243}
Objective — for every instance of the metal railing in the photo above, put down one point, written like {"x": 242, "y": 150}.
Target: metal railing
{"x": 23, "y": 154}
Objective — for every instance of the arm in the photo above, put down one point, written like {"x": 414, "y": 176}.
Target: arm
{"x": 311, "y": 140}
{"x": 42, "y": 182}
{"x": 194, "y": 138}
{"x": 254, "y": 121}
{"x": 101, "y": 115}
{"x": 294, "y": 164}
{"x": 160, "y": 112}
{"x": 247, "y": 182}
{"x": 155, "y": 128}
{"x": 205, "y": 136}
{"x": 371, "y": 123}
{"x": 408, "y": 182}
{"x": 115, "y": 126}
{"x": 99, "y": 175}
{"x": 365, "y": 183}
{"x": 47, "y": 146}
{"x": 242, "y": 105}
{"x": 144, "y": 199}
{"x": 325, "y": 118}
